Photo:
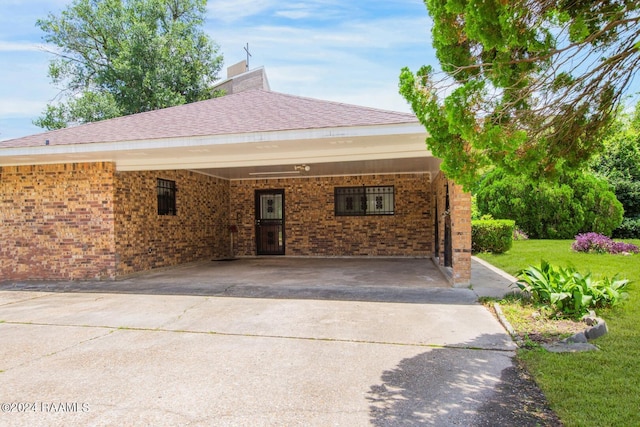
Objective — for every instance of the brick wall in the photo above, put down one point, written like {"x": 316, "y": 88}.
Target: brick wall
{"x": 146, "y": 240}
{"x": 459, "y": 217}
{"x": 87, "y": 221}
{"x": 312, "y": 229}
{"x": 56, "y": 221}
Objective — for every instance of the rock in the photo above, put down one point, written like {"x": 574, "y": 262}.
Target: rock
{"x": 561, "y": 347}
{"x": 580, "y": 337}
{"x": 590, "y": 319}
{"x": 596, "y": 331}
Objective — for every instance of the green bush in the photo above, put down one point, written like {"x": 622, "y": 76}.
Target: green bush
{"x": 566, "y": 292}
{"x": 576, "y": 203}
{"x": 629, "y": 229}
{"x": 620, "y": 164}
{"x": 493, "y": 235}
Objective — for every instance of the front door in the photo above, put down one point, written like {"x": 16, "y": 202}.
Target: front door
{"x": 270, "y": 222}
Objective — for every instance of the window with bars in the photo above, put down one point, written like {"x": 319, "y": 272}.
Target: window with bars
{"x": 364, "y": 201}
{"x": 166, "y": 197}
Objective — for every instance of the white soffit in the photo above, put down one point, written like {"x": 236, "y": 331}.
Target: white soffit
{"x": 238, "y": 150}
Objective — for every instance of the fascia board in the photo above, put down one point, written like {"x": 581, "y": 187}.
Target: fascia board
{"x": 196, "y": 141}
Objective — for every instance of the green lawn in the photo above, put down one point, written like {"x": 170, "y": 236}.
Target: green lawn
{"x": 596, "y": 388}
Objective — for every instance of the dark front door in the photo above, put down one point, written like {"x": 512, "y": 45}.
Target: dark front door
{"x": 270, "y": 222}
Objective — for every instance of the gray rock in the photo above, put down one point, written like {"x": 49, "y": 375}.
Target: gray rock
{"x": 580, "y": 337}
{"x": 597, "y": 331}
{"x": 561, "y": 347}
{"x": 590, "y": 319}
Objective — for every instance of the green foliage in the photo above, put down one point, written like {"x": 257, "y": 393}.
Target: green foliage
{"x": 620, "y": 165}
{"x": 509, "y": 94}
{"x": 612, "y": 397}
{"x": 89, "y": 107}
{"x": 567, "y": 292}
{"x": 629, "y": 229}
{"x": 475, "y": 212}
{"x": 492, "y": 235}
{"x": 578, "y": 202}
{"x": 119, "y": 57}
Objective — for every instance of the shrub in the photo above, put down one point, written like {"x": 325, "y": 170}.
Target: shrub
{"x": 495, "y": 235}
{"x": 568, "y": 293}
{"x": 594, "y": 242}
{"x": 575, "y": 203}
{"x": 629, "y": 229}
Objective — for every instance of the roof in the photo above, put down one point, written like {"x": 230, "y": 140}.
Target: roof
{"x": 245, "y": 112}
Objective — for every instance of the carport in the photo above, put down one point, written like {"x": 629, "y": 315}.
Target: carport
{"x": 253, "y": 173}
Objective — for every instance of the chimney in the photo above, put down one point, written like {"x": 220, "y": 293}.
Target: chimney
{"x": 236, "y": 69}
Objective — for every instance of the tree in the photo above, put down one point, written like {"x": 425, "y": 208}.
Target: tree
{"x": 526, "y": 85}
{"x": 619, "y": 163}
{"x": 119, "y": 57}
{"x": 578, "y": 202}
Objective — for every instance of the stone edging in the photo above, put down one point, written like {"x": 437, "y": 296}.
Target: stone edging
{"x": 575, "y": 343}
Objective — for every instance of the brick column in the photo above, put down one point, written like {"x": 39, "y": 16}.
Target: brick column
{"x": 460, "y": 234}
{"x": 459, "y": 215}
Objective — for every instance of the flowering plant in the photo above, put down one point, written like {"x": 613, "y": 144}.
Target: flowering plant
{"x": 598, "y": 243}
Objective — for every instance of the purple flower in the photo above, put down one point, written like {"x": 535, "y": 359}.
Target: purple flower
{"x": 621, "y": 247}
{"x": 598, "y": 243}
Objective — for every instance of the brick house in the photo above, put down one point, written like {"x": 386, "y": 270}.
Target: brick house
{"x": 252, "y": 173}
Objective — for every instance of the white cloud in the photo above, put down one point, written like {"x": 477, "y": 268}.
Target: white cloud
{"x": 293, "y": 14}
{"x": 6, "y": 46}
{"x": 345, "y": 60}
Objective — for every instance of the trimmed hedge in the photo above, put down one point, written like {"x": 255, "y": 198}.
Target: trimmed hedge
{"x": 495, "y": 235}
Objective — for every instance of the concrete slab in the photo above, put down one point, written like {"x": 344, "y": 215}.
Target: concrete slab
{"x": 167, "y": 360}
{"x": 489, "y": 281}
{"x": 110, "y": 310}
{"x": 393, "y": 323}
{"x": 270, "y": 277}
{"x": 178, "y": 347}
{"x": 156, "y": 378}
{"x": 24, "y": 344}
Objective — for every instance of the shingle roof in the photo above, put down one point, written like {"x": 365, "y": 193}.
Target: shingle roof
{"x": 244, "y": 112}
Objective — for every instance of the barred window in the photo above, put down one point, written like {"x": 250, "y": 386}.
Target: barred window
{"x": 364, "y": 201}
{"x": 166, "y": 197}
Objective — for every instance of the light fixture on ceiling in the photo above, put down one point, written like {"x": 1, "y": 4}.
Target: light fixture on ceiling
{"x": 296, "y": 170}
{"x": 274, "y": 173}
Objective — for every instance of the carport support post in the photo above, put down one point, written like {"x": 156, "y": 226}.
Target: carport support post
{"x": 459, "y": 214}
{"x": 461, "y": 235}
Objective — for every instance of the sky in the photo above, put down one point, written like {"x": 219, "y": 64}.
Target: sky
{"x": 345, "y": 51}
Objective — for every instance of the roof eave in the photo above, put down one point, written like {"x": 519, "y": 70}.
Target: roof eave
{"x": 44, "y": 151}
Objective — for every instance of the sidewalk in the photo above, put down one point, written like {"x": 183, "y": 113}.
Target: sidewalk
{"x": 490, "y": 281}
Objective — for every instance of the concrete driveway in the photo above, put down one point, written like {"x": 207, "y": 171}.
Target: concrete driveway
{"x": 201, "y": 357}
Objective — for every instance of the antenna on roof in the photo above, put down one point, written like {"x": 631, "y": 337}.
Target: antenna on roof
{"x": 246, "y": 49}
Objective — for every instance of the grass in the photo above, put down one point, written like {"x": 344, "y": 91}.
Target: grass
{"x": 594, "y": 388}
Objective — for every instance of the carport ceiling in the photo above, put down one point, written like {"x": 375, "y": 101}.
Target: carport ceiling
{"x": 279, "y": 158}
{"x": 350, "y": 151}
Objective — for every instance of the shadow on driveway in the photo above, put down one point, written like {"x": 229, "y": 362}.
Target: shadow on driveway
{"x": 459, "y": 385}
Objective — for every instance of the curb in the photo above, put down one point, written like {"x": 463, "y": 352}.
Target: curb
{"x": 505, "y": 324}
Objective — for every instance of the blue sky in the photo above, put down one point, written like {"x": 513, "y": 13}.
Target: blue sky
{"x": 346, "y": 51}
